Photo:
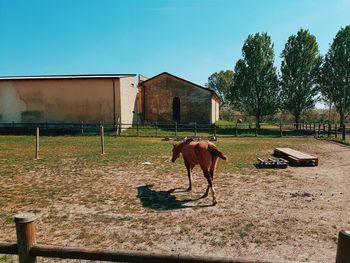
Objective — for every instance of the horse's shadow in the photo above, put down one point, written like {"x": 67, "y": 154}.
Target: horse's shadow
{"x": 163, "y": 200}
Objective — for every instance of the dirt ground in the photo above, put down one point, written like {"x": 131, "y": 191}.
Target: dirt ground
{"x": 291, "y": 215}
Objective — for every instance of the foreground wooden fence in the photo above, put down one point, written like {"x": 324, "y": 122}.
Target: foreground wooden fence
{"x": 28, "y": 251}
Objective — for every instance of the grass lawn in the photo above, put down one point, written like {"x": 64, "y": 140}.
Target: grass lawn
{"x": 114, "y": 201}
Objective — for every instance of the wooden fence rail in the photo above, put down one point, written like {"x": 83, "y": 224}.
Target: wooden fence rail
{"x": 28, "y": 251}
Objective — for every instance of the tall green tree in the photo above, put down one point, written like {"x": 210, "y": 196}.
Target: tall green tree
{"x": 221, "y": 82}
{"x": 255, "y": 89}
{"x": 335, "y": 73}
{"x": 299, "y": 73}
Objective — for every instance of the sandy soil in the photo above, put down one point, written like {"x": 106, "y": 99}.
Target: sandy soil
{"x": 291, "y": 215}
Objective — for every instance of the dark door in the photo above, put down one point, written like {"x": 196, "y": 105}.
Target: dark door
{"x": 176, "y": 109}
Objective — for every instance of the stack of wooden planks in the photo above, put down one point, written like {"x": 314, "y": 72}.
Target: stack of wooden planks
{"x": 296, "y": 157}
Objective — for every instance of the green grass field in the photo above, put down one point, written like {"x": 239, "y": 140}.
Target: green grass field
{"x": 17, "y": 152}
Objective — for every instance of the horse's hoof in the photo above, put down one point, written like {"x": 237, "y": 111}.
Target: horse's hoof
{"x": 214, "y": 202}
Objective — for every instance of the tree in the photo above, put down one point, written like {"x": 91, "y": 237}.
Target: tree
{"x": 300, "y": 63}
{"x": 221, "y": 83}
{"x": 335, "y": 73}
{"x": 255, "y": 89}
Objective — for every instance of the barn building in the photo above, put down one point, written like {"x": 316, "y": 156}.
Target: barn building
{"x": 107, "y": 98}
{"x": 168, "y": 98}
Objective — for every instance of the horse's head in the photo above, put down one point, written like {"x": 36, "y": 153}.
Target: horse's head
{"x": 176, "y": 152}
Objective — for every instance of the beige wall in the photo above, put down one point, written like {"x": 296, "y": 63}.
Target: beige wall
{"x": 58, "y": 100}
{"x": 128, "y": 102}
{"x": 158, "y": 94}
{"x": 214, "y": 109}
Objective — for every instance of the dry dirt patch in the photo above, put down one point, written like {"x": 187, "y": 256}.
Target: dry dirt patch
{"x": 290, "y": 215}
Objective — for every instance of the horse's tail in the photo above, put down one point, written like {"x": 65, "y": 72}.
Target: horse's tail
{"x": 215, "y": 152}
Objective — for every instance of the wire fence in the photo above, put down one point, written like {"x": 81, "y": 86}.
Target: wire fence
{"x": 180, "y": 129}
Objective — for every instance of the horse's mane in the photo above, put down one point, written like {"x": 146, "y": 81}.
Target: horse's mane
{"x": 184, "y": 142}
{"x": 187, "y": 140}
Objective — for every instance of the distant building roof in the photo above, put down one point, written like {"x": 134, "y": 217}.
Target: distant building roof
{"x": 194, "y": 84}
{"x": 84, "y": 76}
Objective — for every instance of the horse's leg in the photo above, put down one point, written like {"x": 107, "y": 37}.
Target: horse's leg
{"x": 189, "y": 168}
{"x": 210, "y": 185}
{"x": 206, "y": 192}
{"x": 212, "y": 167}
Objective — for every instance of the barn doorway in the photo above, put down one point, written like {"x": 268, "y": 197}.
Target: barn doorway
{"x": 176, "y": 109}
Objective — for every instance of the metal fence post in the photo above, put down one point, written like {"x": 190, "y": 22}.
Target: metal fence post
{"x": 314, "y": 127}
{"x": 120, "y": 128}
{"x": 281, "y": 133}
{"x": 102, "y": 140}
{"x": 336, "y": 130}
{"x": 343, "y": 251}
{"x": 319, "y": 128}
{"x": 175, "y": 128}
{"x": 37, "y": 138}
{"x": 195, "y": 129}
{"x": 25, "y": 230}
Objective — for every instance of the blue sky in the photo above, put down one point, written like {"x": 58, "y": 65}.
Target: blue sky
{"x": 188, "y": 38}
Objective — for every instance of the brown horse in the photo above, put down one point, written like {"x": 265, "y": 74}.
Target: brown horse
{"x": 203, "y": 153}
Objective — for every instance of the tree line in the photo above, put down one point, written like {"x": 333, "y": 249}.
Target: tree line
{"x": 305, "y": 76}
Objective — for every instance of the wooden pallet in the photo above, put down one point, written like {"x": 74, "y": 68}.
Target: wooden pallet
{"x": 296, "y": 157}
{"x": 272, "y": 163}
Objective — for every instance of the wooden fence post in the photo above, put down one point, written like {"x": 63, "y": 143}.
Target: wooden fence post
{"x": 319, "y": 128}
{"x": 156, "y": 128}
{"x": 343, "y": 132}
{"x": 236, "y": 130}
{"x": 37, "y": 142}
{"x": 25, "y": 229}
{"x": 195, "y": 129}
{"x": 137, "y": 129}
{"x": 256, "y": 130}
{"x": 343, "y": 248}
{"x": 329, "y": 130}
{"x": 214, "y": 129}
{"x": 102, "y": 134}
